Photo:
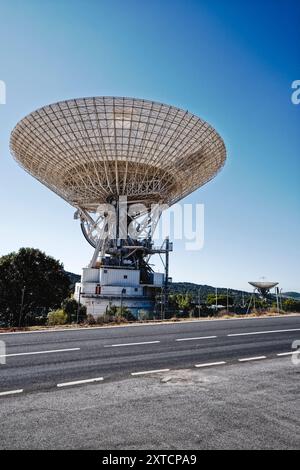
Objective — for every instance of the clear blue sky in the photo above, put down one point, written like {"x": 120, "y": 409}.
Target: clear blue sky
{"x": 230, "y": 62}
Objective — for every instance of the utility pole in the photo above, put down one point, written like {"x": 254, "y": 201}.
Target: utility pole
{"x": 122, "y": 292}
{"x": 199, "y": 301}
{"x": 78, "y": 306}
{"x": 227, "y": 306}
{"x": 22, "y": 304}
{"x": 166, "y": 296}
{"x": 216, "y": 299}
{"x": 277, "y": 299}
{"x": 280, "y": 299}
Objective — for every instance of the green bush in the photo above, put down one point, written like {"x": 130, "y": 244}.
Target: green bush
{"x": 104, "y": 319}
{"x": 145, "y": 315}
{"x": 123, "y": 313}
{"x": 90, "y": 319}
{"x": 120, "y": 313}
{"x": 291, "y": 305}
{"x": 57, "y": 317}
{"x": 70, "y": 306}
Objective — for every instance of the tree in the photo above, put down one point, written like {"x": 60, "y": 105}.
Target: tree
{"x": 120, "y": 313}
{"x": 30, "y": 281}
{"x": 182, "y": 303}
{"x": 72, "y": 309}
{"x": 291, "y": 305}
{"x": 222, "y": 299}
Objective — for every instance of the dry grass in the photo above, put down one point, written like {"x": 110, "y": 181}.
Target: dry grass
{"x": 220, "y": 316}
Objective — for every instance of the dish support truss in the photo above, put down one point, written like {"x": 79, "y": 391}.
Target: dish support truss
{"x": 120, "y": 231}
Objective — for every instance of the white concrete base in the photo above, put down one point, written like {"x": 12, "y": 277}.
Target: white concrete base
{"x": 98, "y": 306}
{"x": 101, "y": 288}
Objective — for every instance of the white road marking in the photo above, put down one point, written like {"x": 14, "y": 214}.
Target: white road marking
{"x": 263, "y": 332}
{"x": 78, "y": 382}
{"x": 208, "y": 364}
{"x": 11, "y": 392}
{"x": 199, "y": 337}
{"x": 288, "y": 353}
{"x": 130, "y": 344}
{"x": 40, "y": 352}
{"x": 150, "y": 372}
{"x": 252, "y": 358}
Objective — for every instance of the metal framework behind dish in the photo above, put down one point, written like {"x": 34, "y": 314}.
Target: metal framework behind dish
{"x": 92, "y": 149}
{"x": 99, "y": 231}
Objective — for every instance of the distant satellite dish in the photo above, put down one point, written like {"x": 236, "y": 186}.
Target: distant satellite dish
{"x": 263, "y": 287}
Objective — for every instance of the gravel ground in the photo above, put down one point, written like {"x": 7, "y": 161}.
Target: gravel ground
{"x": 242, "y": 406}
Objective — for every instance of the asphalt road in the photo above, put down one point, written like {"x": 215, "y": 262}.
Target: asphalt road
{"x": 48, "y": 360}
{"x": 236, "y": 406}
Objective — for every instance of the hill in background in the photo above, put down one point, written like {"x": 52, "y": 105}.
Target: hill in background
{"x": 205, "y": 290}
{"x": 292, "y": 295}
{"x": 192, "y": 288}
{"x": 182, "y": 288}
{"x": 73, "y": 279}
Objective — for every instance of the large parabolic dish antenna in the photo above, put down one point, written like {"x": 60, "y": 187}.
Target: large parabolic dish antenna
{"x": 92, "y": 149}
{"x": 99, "y": 151}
